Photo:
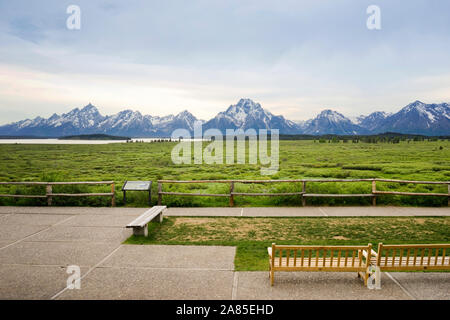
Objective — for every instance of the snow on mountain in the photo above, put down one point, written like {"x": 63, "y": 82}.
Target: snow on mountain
{"x": 127, "y": 122}
{"x": 166, "y": 125}
{"x": 331, "y": 122}
{"x": 372, "y": 121}
{"x": 247, "y": 114}
{"x": 418, "y": 118}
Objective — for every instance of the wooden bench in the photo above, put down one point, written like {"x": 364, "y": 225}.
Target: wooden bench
{"x": 412, "y": 257}
{"x": 320, "y": 258}
{"x": 140, "y": 224}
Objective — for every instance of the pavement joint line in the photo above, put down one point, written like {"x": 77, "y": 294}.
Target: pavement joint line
{"x": 69, "y": 241}
{"x": 164, "y": 268}
{"x": 43, "y": 213}
{"x": 38, "y": 232}
{"x": 40, "y": 265}
{"x": 409, "y": 294}
{"x": 323, "y": 212}
{"x": 89, "y": 271}
{"x": 116, "y": 227}
{"x": 235, "y": 286}
{"x": 242, "y": 212}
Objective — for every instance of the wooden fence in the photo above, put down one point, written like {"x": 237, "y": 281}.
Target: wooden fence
{"x": 304, "y": 194}
{"x": 49, "y": 190}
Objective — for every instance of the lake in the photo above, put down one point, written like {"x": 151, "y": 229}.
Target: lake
{"x": 57, "y": 141}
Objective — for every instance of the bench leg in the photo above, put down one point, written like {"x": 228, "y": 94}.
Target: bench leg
{"x": 137, "y": 231}
{"x": 364, "y": 276}
{"x": 160, "y": 217}
{"x": 272, "y": 275}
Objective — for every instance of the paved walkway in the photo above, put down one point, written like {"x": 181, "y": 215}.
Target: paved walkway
{"x": 38, "y": 243}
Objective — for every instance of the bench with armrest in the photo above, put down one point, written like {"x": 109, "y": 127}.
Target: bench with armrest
{"x": 140, "y": 224}
{"x": 320, "y": 258}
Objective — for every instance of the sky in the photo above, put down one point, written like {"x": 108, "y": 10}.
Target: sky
{"x": 296, "y": 58}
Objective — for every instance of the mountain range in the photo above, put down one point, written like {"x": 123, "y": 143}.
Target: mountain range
{"x": 415, "y": 118}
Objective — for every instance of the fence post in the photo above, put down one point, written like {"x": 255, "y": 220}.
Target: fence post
{"x": 113, "y": 191}
{"x": 48, "y": 191}
{"x": 159, "y": 193}
{"x": 374, "y": 189}
{"x": 448, "y": 199}
{"x": 231, "y": 194}
{"x": 304, "y": 191}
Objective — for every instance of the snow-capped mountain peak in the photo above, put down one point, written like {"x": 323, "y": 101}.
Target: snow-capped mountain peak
{"x": 185, "y": 115}
{"x": 89, "y": 109}
{"x": 373, "y": 120}
{"x": 247, "y": 114}
{"x": 426, "y": 111}
{"x": 331, "y": 122}
{"x": 415, "y": 104}
{"x": 332, "y": 116}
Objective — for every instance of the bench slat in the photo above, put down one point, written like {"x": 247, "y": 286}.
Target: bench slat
{"x": 389, "y": 261}
{"x": 144, "y": 219}
{"x": 317, "y": 262}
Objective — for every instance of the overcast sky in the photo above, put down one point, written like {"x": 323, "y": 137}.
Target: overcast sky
{"x": 294, "y": 57}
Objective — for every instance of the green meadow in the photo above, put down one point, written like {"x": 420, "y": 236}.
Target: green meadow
{"x": 413, "y": 160}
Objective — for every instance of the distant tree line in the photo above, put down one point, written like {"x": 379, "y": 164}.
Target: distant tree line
{"x": 388, "y": 137}
{"x": 153, "y": 140}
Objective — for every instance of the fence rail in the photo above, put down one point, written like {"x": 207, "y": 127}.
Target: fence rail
{"x": 49, "y": 190}
{"x": 303, "y": 194}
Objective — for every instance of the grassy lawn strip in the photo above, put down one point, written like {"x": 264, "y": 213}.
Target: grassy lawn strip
{"x": 252, "y": 236}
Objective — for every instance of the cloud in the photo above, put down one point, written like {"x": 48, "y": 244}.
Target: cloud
{"x": 294, "y": 57}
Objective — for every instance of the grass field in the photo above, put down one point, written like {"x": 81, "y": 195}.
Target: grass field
{"x": 414, "y": 160}
{"x": 252, "y": 236}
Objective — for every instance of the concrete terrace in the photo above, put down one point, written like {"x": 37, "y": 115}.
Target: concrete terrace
{"x": 38, "y": 243}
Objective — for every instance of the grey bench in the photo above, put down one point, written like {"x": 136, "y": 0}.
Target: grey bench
{"x": 139, "y": 225}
